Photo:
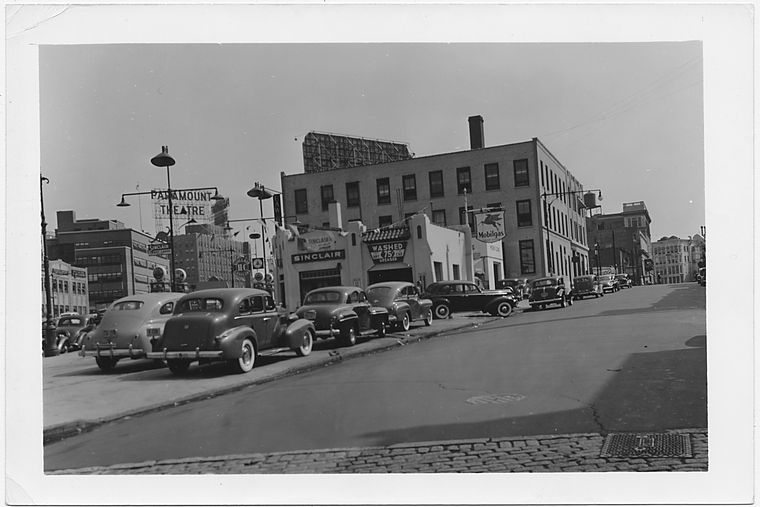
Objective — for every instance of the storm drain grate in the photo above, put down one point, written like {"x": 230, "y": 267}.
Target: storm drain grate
{"x": 646, "y": 445}
{"x": 495, "y": 398}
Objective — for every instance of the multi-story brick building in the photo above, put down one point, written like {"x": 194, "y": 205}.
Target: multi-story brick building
{"x": 68, "y": 289}
{"x": 621, "y": 242}
{"x": 544, "y": 234}
{"x": 207, "y": 253}
{"x": 677, "y": 260}
{"x": 117, "y": 259}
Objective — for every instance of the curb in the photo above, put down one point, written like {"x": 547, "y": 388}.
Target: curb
{"x": 535, "y": 453}
{"x": 66, "y": 430}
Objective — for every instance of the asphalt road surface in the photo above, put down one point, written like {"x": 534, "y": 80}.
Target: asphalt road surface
{"x": 631, "y": 361}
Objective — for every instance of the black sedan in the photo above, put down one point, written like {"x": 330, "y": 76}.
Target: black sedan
{"x": 403, "y": 302}
{"x": 343, "y": 312}
{"x": 463, "y": 296}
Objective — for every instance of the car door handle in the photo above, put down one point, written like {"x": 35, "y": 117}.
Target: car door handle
{"x": 266, "y": 319}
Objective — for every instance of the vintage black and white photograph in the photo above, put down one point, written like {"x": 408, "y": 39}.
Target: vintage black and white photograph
{"x": 379, "y": 254}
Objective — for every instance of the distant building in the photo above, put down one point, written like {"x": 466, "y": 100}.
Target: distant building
{"x": 543, "y": 235}
{"x": 207, "y": 253}
{"x": 326, "y": 152}
{"x": 677, "y": 260}
{"x": 68, "y": 289}
{"x": 117, "y": 259}
{"x": 621, "y": 242}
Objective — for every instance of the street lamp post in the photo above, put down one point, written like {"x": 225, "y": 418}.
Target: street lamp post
{"x": 50, "y": 346}
{"x": 261, "y": 193}
{"x": 163, "y": 159}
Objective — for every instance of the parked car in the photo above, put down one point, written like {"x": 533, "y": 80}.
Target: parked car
{"x": 586, "y": 285}
{"x": 403, "y": 302}
{"x": 609, "y": 283}
{"x": 67, "y": 329}
{"x": 233, "y": 325}
{"x": 623, "y": 281}
{"x": 703, "y": 277}
{"x": 128, "y": 327}
{"x": 550, "y": 290}
{"x": 454, "y": 296}
{"x": 344, "y": 312}
{"x": 520, "y": 286}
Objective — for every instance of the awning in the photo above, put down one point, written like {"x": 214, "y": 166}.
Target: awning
{"x": 387, "y": 234}
{"x": 389, "y": 265}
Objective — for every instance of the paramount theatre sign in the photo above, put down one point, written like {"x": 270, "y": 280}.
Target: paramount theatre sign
{"x": 198, "y": 205}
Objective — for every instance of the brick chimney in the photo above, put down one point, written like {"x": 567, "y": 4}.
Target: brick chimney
{"x": 477, "y": 138}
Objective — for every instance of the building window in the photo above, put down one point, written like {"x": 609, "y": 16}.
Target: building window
{"x": 302, "y": 204}
{"x": 410, "y": 187}
{"x": 327, "y": 196}
{"x": 438, "y": 269}
{"x": 522, "y": 179}
{"x": 492, "y": 177}
{"x": 352, "y": 195}
{"x": 455, "y": 271}
{"x": 464, "y": 182}
{"x": 439, "y": 217}
{"x": 436, "y": 183}
{"x": 527, "y": 257}
{"x": 383, "y": 191}
{"x": 524, "y": 214}
{"x": 600, "y": 226}
{"x": 385, "y": 220}
{"x": 419, "y": 232}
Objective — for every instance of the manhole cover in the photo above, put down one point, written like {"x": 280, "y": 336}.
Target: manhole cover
{"x": 495, "y": 398}
{"x": 646, "y": 445}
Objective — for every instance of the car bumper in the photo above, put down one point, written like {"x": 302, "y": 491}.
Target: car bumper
{"x": 327, "y": 333}
{"x": 545, "y": 301}
{"x": 102, "y": 351}
{"x": 186, "y": 354}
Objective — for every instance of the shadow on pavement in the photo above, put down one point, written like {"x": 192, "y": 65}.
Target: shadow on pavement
{"x": 653, "y": 391}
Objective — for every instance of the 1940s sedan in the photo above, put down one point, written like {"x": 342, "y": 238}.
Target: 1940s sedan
{"x": 344, "y": 312}
{"x": 550, "y": 290}
{"x": 127, "y": 328}
{"x": 233, "y": 325}
{"x": 403, "y": 302}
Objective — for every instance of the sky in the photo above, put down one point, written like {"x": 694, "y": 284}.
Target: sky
{"x": 626, "y": 118}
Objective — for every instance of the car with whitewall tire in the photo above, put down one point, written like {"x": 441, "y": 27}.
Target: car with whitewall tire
{"x": 232, "y": 325}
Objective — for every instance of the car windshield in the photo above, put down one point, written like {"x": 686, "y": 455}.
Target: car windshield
{"x": 583, "y": 278}
{"x": 546, "y": 282}
{"x": 380, "y": 294}
{"x": 70, "y": 321}
{"x": 605, "y": 278}
{"x": 510, "y": 283}
{"x": 127, "y": 305}
{"x": 200, "y": 305}
{"x": 323, "y": 297}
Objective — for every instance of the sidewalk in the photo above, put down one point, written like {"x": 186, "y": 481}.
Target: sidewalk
{"x": 78, "y": 397}
{"x": 546, "y": 453}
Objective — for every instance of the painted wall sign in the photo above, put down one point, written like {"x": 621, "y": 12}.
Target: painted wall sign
{"x": 325, "y": 255}
{"x": 490, "y": 226}
{"x": 387, "y": 252}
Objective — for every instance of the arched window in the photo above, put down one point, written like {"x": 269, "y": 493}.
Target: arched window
{"x": 419, "y": 232}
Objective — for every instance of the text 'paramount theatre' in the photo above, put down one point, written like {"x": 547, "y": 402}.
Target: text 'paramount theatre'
{"x": 414, "y": 250}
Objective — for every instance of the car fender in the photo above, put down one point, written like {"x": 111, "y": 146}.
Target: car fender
{"x": 494, "y": 302}
{"x": 293, "y": 335}
{"x": 378, "y": 314}
{"x": 400, "y": 308}
{"x": 231, "y": 343}
{"x": 438, "y": 301}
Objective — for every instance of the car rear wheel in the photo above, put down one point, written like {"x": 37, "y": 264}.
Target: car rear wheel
{"x": 562, "y": 302}
{"x": 306, "y": 344}
{"x": 503, "y": 309}
{"x": 247, "y": 358}
{"x": 106, "y": 363}
{"x": 178, "y": 366}
{"x": 348, "y": 335}
{"x": 404, "y": 323}
{"x": 442, "y": 311}
{"x": 429, "y": 317}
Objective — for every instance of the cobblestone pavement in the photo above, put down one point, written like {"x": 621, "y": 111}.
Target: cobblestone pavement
{"x": 578, "y": 452}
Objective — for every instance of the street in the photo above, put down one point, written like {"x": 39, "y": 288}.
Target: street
{"x": 631, "y": 361}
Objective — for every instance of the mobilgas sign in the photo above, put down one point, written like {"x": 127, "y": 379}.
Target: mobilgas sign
{"x": 323, "y": 255}
{"x": 387, "y": 252}
{"x": 490, "y": 226}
